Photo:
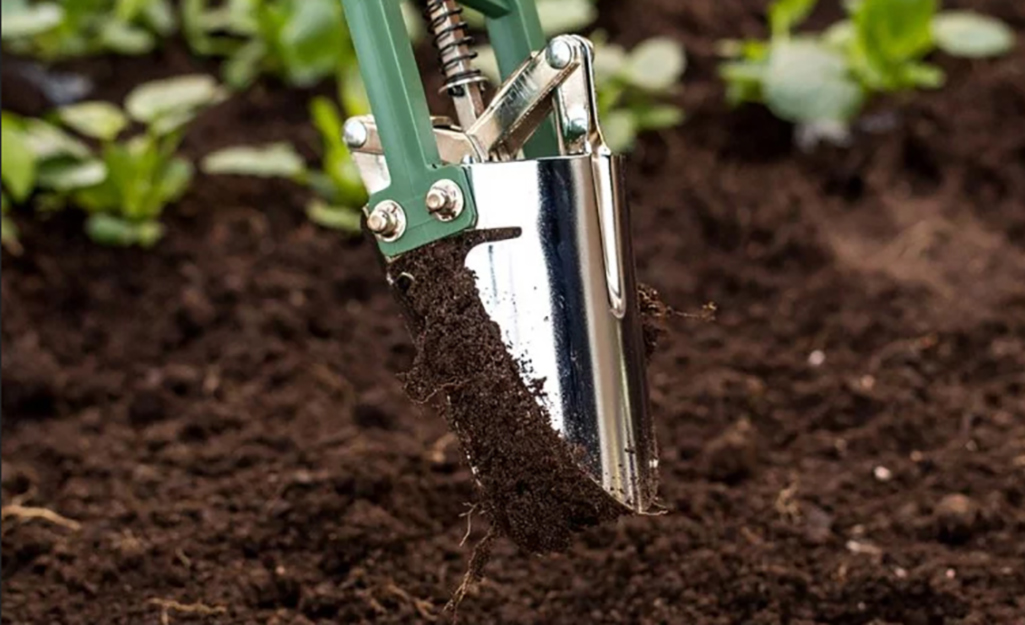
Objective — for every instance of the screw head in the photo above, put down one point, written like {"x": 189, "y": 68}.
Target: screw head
{"x": 387, "y": 221}
{"x": 445, "y": 200}
{"x": 356, "y": 133}
{"x": 577, "y": 125}
{"x": 559, "y": 53}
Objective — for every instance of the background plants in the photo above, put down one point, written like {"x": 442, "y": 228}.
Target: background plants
{"x": 881, "y": 47}
{"x": 73, "y": 28}
{"x": 300, "y": 41}
{"x": 123, "y": 184}
{"x": 338, "y": 189}
{"x": 634, "y": 86}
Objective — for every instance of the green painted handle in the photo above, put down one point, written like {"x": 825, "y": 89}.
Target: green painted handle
{"x": 403, "y": 119}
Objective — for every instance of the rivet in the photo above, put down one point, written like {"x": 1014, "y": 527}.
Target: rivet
{"x": 356, "y": 133}
{"x": 559, "y": 53}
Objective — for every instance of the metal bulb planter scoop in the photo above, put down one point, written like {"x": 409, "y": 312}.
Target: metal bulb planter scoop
{"x": 563, "y": 292}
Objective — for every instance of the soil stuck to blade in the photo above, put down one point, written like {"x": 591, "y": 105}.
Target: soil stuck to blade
{"x": 530, "y": 484}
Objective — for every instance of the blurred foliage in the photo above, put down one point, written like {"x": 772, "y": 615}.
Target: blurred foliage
{"x": 65, "y": 29}
{"x": 880, "y": 47}
{"x": 338, "y": 190}
{"x": 300, "y": 41}
{"x": 122, "y": 184}
{"x": 633, "y": 86}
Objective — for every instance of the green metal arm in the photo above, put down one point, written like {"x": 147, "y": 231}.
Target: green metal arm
{"x": 400, "y": 106}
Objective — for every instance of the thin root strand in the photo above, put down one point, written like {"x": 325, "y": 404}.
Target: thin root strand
{"x": 18, "y": 511}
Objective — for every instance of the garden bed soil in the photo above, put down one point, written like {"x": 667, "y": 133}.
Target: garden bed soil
{"x": 223, "y": 418}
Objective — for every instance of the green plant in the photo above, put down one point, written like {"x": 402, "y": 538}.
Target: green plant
{"x": 881, "y": 47}
{"x": 300, "y": 41}
{"x": 124, "y": 185}
{"x": 338, "y": 190}
{"x": 73, "y": 28}
{"x": 632, "y": 85}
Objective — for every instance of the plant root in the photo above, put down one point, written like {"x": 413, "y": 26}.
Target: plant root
{"x": 18, "y": 511}
{"x": 167, "y": 605}
{"x": 474, "y": 571}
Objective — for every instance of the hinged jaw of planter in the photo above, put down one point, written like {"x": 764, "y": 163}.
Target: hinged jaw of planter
{"x": 534, "y": 162}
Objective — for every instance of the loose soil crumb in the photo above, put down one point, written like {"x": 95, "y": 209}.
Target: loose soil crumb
{"x": 531, "y": 485}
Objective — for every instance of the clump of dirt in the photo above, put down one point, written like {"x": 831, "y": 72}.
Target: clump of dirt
{"x": 530, "y": 483}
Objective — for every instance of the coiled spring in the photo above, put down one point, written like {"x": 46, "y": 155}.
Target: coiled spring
{"x": 454, "y": 44}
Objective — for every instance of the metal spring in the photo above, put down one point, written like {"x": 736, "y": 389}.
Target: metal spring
{"x": 455, "y": 51}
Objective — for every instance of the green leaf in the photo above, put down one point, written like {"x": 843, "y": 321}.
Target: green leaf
{"x": 744, "y": 81}
{"x": 99, "y": 120}
{"x": 12, "y": 7}
{"x": 23, "y": 21}
{"x": 894, "y": 31}
{"x": 655, "y": 65}
{"x": 69, "y": 175}
{"x": 159, "y": 15}
{"x": 971, "y": 35}
{"x": 806, "y": 81}
{"x": 125, "y": 38}
{"x": 181, "y": 95}
{"x": 114, "y": 231}
{"x": 620, "y": 130}
{"x": 309, "y": 43}
{"x": 334, "y": 217}
{"x": 19, "y": 163}
{"x": 48, "y": 141}
{"x": 609, "y": 61}
{"x": 840, "y": 35}
{"x": 328, "y": 121}
{"x": 277, "y": 160}
{"x": 658, "y": 117}
{"x": 746, "y": 49}
{"x": 173, "y": 182}
{"x": 785, "y": 15}
{"x": 243, "y": 66}
{"x": 354, "y": 98}
{"x": 924, "y": 75}
{"x": 566, "y": 16}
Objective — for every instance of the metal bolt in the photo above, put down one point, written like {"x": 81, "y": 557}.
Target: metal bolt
{"x": 445, "y": 200}
{"x": 559, "y": 53}
{"x": 577, "y": 124}
{"x": 356, "y": 133}
{"x": 577, "y": 127}
{"x": 387, "y": 221}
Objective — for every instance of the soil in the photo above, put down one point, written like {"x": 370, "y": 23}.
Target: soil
{"x": 530, "y": 483}
{"x": 223, "y": 420}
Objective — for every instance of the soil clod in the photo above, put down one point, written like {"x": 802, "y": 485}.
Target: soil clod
{"x": 530, "y": 484}
{"x": 733, "y": 455}
{"x": 956, "y": 517}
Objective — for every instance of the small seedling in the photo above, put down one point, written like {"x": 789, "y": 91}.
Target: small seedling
{"x": 300, "y": 41}
{"x": 339, "y": 192}
{"x": 126, "y": 185}
{"x": 632, "y": 85}
{"x": 825, "y": 78}
{"x": 74, "y": 28}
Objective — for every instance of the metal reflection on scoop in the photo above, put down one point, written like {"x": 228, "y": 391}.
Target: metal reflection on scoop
{"x": 567, "y": 309}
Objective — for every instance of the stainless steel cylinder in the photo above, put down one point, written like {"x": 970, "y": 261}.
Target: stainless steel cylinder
{"x": 564, "y": 295}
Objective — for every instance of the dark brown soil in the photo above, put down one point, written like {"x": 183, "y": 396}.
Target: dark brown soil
{"x": 845, "y": 445}
{"x": 531, "y": 485}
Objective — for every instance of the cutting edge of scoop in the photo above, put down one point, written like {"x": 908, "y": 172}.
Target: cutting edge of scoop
{"x": 551, "y": 290}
